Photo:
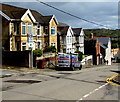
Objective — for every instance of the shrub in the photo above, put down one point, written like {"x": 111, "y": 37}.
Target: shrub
{"x": 50, "y": 49}
{"x": 80, "y": 55}
{"x": 37, "y": 52}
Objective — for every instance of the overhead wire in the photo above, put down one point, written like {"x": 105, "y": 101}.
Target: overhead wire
{"x": 92, "y": 22}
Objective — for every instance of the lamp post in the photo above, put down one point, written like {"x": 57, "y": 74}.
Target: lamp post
{"x": 31, "y": 58}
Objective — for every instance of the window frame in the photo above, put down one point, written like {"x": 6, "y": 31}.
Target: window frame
{"x": 24, "y": 25}
{"x": 29, "y": 25}
{"x": 53, "y": 28}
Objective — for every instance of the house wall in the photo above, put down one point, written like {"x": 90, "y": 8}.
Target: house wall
{"x": 24, "y": 37}
{"x": 53, "y": 37}
{"x": 90, "y": 49}
{"x": 108, "y": 53}
{"x": 41, "y": 38}
{"x": 81, "y": 41}
{"x": 63, "y": 44}
{"x": 5, "y": 34}
{"x": 69, "y": 47}
{"x": 16, "y": 40}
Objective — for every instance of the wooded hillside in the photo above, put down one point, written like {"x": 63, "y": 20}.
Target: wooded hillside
{"x": 114, "y": 34}
{"x": 102, "y": 32}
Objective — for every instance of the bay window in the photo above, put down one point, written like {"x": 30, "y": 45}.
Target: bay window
{"x": 23, "y": 28}
{"x": 29, "y": 28}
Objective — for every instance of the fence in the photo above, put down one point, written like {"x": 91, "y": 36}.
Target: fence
{"x": 17, "y": 58}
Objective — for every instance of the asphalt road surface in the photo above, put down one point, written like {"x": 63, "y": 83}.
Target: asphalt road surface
{"x": 85, "y": 84}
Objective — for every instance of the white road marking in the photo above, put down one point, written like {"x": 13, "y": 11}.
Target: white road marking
{"x": 91, "y": 92}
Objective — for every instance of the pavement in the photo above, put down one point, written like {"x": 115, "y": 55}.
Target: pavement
{"x": 25, "y": 69}
{"x": 86, "y": 84}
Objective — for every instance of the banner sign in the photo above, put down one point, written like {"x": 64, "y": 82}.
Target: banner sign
{"x": 30, "y": 38}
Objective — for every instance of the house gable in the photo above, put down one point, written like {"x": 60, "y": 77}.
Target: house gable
{"x": 69, "y": 32}
{"x": 82, "y": 33}
{"x": 55, "y": 20}
{"x": 27, "y": 19}
{"x": 28, "y": 12}
{"x": 53, "y": 23}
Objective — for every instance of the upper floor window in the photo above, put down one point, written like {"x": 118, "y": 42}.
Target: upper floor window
{"x": 16, "y": 28}
{"x": 69, "y": 39}
{"x": 23, "y": 28}
{"x": 46, "y": 29}
{"x": 53, "y": 30}
{"x": 81, "y": 39}
{"x": 29, "y": 28}
{"x": 34, "y": 30}
{"x": 38, "y": 30}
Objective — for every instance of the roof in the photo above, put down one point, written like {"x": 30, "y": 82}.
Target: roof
{"x": 60, "y": 24}
{"x": 37, "y": 16}
{"x": 47, "y": 19}
{"x": 63, "y": 30}
{"x": 12, "y": 11}
{"x": 17, "y": 12}
{"x": 103, "y": 40}
{"x": 77, "y": 31}
{"x": 103, "y": 46}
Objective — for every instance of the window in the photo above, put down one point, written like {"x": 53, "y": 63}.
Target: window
{"x": 64, "y": 50}
{"x": 16, "y": 28}
{"x": 69, "y": 39}
{"x": 17, "y": 46}
{"x": 46, "y": 29}
{"x": 23, "y": 28}
{"x": 23, "y": 46}
{"x": 53, "y": 30}
{"x": 81, "y": 39}
{"x": 53, "y": 44}
{"x": 38, "y": 30}
{"x": 46, "y": 44}
{"x": 38, "y": 45}
{"x": 35, "y": 30}
{"x": 29, "y": 28}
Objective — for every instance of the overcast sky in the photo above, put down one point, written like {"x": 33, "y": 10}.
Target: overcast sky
{"x": 105, "y": 13}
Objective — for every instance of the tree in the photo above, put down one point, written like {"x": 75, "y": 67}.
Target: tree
{"x": 80, "y": 54}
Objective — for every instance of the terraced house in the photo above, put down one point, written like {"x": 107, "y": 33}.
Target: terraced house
{"x": 25, "y": 29}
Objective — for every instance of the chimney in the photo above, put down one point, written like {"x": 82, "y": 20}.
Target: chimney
{"x": 92, "y": 35}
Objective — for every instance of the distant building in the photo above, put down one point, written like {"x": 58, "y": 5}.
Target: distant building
{"x": 105, "y": 43}
{"x": 92, "y": 47}
{"x": 114, "y": 51}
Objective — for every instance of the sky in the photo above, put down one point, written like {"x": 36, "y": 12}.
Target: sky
{"x": 105, "y": 13}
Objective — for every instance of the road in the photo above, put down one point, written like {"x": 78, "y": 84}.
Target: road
{"x": 85, "y": 84}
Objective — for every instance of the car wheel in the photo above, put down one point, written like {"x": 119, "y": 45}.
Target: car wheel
{"x": 80, "y": 67}
{"x": 73, "y": 68}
